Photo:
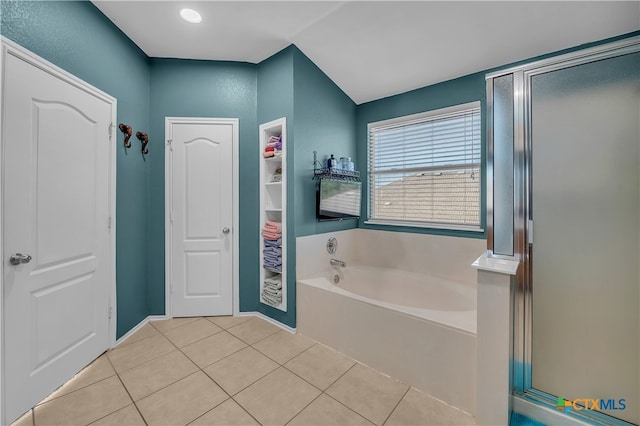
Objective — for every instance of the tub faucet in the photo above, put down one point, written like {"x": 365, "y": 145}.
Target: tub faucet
{"x": 336, "y": 262}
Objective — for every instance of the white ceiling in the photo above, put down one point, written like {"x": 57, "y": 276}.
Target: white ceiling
{"x": 373, "y": 49}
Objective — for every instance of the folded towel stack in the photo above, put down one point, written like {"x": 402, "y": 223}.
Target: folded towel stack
{"x": 273, "y": 243}
{"x": 272, "y": 290}
{"x": 273, "y": 147}
{"x": 272, "y": 253}
{"x": 272, "y": 230}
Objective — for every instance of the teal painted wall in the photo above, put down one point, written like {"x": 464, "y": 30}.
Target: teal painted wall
{"x": 325, "y": 121}
{"x": 275, "y": 100}
{"x": 76, "y": 37}
{"x": 453, "y": 92}
{"x": 319, "y": 117}
{"x": 189, "y": 88}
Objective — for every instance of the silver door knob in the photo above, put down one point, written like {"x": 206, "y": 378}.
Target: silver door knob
{"x": 19, "y": 258}
{"x": 225, "y": 230}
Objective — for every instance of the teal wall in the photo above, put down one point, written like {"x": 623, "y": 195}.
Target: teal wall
{"x": 189, "y": 88}
{"x": 76, "y": 37}
{"x": 275, "y": 100}
{"x": 319, "y": 117}
{"x": 453, "y": 92}
{"x": 325, "y": 122}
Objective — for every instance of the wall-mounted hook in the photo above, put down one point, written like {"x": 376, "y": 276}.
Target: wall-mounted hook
{"x": 144, "y": 138}
{"x": 126, "y": 131}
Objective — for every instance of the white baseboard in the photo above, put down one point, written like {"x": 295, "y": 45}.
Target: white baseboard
{"x": 139, "y": 326}
{"x": 268, "y": 319}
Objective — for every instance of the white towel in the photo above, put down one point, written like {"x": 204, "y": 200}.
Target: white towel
{"x": 273, "y": 301}
{"x": 277, "y": 286}
{"x": 272, "y": 292}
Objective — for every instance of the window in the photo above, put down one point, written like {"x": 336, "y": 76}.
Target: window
{"x": 424, "y": 169}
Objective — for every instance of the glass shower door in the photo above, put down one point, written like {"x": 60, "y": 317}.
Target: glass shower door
{"x": 585, "y": 253}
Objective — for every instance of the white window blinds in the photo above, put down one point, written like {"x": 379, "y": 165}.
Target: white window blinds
{"x": 425, "y": 169}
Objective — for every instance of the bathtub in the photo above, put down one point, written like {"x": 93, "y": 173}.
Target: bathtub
{"x": 417, "y": 328}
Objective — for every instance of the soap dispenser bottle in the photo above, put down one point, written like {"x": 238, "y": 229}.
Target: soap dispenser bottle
{"x": 331, "y": 163}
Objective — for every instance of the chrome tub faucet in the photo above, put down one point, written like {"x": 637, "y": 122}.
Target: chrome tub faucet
{"x": 336, "y": 262}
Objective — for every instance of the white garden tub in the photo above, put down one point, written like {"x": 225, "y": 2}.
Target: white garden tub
{"x": 418, "y": 328}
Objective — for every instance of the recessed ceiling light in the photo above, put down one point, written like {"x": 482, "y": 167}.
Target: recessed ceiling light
{"x": 190, "y": 15}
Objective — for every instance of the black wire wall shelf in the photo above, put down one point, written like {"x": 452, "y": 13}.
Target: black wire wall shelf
{"x": 337, "y": 174}
{"x": 320, "y": 173}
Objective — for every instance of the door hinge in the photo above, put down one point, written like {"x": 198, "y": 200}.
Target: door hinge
{"x": 111, "y": 126}
{"x": 110, "y": 222}
{"x": 110, "y": 312}
{"x": 530, "y": 231}
{"x": 169, "y": 145}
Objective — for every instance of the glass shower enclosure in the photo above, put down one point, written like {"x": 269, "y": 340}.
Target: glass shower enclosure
{"x": 565, "y": 201}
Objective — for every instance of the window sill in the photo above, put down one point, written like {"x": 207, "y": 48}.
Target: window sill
{"x": 425, "y": 225}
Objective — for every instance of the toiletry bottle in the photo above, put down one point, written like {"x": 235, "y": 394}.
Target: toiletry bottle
{"x": 349, "y": 165}
{"x": 331, "y": 163}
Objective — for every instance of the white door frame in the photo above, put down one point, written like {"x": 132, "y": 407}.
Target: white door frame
{"x": 11, "y": 48}
{"x": 235, "y": 123}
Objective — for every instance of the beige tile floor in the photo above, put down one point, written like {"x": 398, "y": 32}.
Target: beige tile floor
{"x": 233, "y": 371}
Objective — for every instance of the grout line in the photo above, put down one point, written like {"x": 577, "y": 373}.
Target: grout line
{"x": 149, "y": 360}
{"x": 127, "y": 390}
{"x": 323, "y": 392}
{"x": 212, "y": 408}
{"x": 396, "y": 406}
{"x": 348, "y": 369}
{"x": 342, "y": 403}
{"x": 258, "y": 341}
{"x": 348, "y": 408}
{"x": 314, "y": 344}
{"x": 126, "y": 342}
{"x": 249, "y": 385}
{"x": 169, "y": 319}
{"x": 226, "y": 356}
{"x": 196, "y": 341}
{"x": 304, "y": 408}
{"x": 245, "y": 410}
{"x": 164, "y": 387}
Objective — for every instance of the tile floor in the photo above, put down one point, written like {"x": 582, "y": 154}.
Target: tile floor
{"x": 233, "y": 371}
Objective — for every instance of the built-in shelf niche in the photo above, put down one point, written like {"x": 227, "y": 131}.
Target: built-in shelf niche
{"x": 273, "y": 200}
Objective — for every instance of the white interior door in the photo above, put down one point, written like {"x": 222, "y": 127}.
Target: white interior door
{"x": 200, "y": 242}
{"x": 56, "y": 212}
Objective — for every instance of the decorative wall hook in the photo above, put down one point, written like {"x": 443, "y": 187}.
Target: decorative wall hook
{"x": 126, "y": 131}
{"x": 144, "y": 138}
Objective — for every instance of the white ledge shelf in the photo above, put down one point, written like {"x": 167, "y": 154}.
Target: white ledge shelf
{"x": 502, "y": 266}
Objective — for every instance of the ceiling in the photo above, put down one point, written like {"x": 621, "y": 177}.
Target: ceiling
{"x": 373, "y": 49}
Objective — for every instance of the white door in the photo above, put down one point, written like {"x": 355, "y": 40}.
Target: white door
{"x": 200, "y": 243}
{"x": 56, "y": 210}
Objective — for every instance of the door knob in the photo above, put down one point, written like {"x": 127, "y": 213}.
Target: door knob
{"x": 225, "y": 230}
{"x": 19, "y": 258}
